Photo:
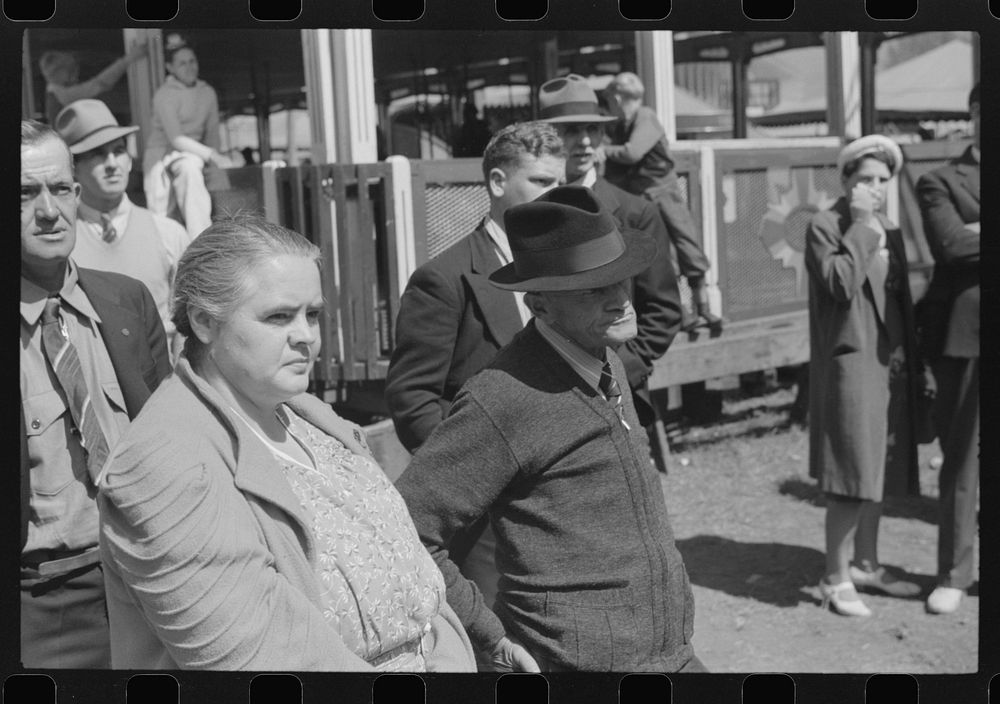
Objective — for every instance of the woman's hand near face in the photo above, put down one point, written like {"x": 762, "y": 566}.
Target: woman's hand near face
{"x": 864, "y": 202}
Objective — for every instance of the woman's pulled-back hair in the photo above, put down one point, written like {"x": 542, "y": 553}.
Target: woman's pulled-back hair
{"x": 213, "y": 274}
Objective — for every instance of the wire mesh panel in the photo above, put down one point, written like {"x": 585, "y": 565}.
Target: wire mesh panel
{"x": 766, "y": 201}
{"x": 449, "y": 200}
{"x": 453, "y": 211}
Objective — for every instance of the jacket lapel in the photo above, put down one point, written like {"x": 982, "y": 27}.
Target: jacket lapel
{"x": 120, "y": 329}
{"x": 602, "y": 189}
{"x": 499, "y": 307}
{"x": 968, "y": 174}
{"x": 256, "y": 471}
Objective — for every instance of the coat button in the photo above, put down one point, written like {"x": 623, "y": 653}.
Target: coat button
{"x": 35, "y": 424}
{"x": 125, "y": 332}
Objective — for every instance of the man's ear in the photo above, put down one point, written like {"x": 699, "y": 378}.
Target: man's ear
{"x": 203, "y": 325}
{"x": 496, "y": 182}
{"x": 537, "y": 304}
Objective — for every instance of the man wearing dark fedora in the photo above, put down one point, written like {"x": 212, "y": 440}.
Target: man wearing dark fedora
{"x": 570, "y": 105}
{"x": 112, "y": 233}
{"x": 544, "y": 441}
{"x": 92, "y": 351}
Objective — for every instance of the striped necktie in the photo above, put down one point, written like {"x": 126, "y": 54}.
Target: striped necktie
{"x": 613, "y": 392}
{"x": 108, "y": 231}
{"x": 65, "y": 361}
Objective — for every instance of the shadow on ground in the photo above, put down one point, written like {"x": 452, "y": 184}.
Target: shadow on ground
{"x": 774, "y": 573}
{"x": 921, "y": 508}
{"x": 738, "y": 425}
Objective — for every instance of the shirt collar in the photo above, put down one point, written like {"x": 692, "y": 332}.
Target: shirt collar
{"x": 582, "y": 362}
{"x": 33, "y": 297}
{"x": 499, "y": 238}
{"x": 588, "y": 179}
{"x": 91, "y": 214}
{"x": 172, "y": 80}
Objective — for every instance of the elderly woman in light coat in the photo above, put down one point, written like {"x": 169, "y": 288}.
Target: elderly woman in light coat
{"x": 863, "y": 373}
{"x": 244, "y": 525}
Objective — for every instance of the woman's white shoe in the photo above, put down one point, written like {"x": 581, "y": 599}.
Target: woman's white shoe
{"x": 843, "y": 598}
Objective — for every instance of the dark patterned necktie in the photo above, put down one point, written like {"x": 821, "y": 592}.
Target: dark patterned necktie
{"x": 108, "y": 231}
{"x": 612, "y": 391}
{"x": 65, "y": 361}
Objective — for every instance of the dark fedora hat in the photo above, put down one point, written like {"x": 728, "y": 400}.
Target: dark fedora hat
{"x": 570, "y": 99}
{"x": 87, "y": 124}
{"x": 564, "y": 240}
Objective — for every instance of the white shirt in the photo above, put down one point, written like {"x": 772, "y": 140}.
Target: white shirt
{"x": 502, "y": 246}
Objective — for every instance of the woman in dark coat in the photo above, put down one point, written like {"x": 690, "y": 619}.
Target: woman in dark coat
{"x": 863, "y": 372}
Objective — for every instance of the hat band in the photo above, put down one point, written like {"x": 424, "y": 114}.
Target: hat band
{"x": 102, "y": 128}
{"x": 566, "y": 261}
{"x": 579, "y": 107}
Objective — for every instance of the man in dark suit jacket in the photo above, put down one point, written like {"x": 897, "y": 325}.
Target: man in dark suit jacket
{"x": 948, "y": 320}
{"x": 451, "y": 320}
{"x": 571, "y": 106}
{"x": 113, "y": 326}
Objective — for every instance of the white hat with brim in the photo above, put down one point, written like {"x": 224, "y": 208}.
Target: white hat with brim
{"x": 868, "y": 145}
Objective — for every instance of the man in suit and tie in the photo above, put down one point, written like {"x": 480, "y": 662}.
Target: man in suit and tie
{"x": 948, "y": 321}
{"x": 452, "y": 321}
{"x": 571, "y": 106}
{"x": 92, "y": 350}
{"x": 545, "y": 443}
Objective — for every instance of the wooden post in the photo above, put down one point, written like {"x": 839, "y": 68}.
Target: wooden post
{"x": 740, "y": 60}
{"x": 869, "y": 111}
{"x": 340, "y": 84}
{"x": 843, "y": 85}
{"x": 655, "y": 66}
{"x": 28, "y": 109}
{"x": 144, "y": 77}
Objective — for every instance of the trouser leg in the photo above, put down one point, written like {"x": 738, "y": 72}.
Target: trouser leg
{"x": 957, "y": 419}
{"x": 191, "y": 193}
{"x": 64, "y": 620}
{"x": 691, "y": 259}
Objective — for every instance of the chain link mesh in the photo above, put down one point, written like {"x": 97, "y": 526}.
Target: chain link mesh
{"x": 453, "y": 211}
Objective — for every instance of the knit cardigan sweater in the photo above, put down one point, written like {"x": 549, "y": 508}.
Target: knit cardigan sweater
{"x": 209, "y": 561}
{"x": 590, "y": 578}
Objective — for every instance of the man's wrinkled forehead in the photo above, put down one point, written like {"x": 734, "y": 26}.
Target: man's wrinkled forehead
{"x": 47, "y": 156}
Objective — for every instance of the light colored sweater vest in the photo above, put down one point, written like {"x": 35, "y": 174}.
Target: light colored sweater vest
{"x": 138, "y": 252}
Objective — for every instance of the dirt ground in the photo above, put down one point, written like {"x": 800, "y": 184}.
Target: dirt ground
{"x": 749, "y": 522}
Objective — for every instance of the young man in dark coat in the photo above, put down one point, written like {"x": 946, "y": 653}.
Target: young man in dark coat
{"x": 948, "y": 319}
{"x": 546, "y": 443}
{"x": 452, "y": 321}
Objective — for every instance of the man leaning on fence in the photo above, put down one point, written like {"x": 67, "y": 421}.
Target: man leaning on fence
{"x": 92, "y": 350}
{"x": 544, "y": 441}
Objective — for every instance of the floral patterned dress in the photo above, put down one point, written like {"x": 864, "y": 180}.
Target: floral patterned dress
{"x": 379, "y": 585}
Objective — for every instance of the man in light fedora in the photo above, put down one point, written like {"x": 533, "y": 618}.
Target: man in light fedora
{"x": 112, "y": 233}
{"x": 570, "y": 105}
{"x": 544, "y": 441}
